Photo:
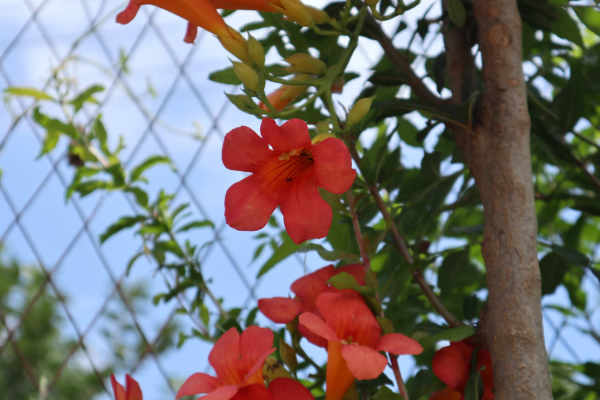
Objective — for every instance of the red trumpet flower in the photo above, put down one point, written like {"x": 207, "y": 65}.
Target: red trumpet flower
{"x": 287, "y": 171}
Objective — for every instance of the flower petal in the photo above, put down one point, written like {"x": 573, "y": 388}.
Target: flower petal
{"x": 253, "y": 392}
{"x": 317, "y": 326}
{"x": 244, "y": 150}
{"x": 280, "y": 309}
{"x": 133, "y": 388}
{"x": 358, "y": 271}
{"x": 397, "y": 343}
{"x": 247, "y": 207}
{"x": 118, "y": 389}
{"x": 363, "y": 361}
{"x": 199, "y": 12}
{"x": 289, "y": 389}
{"x": 198, "y": 383}
{"x": 222, "y": 393}
{"x": 348, "y": 315}
{"x": 287, "y": 137}
{"x": 255, "y": 346}
{"x": 306, "y": 215}
{"x": 451, "y": 365}
{"x": 308, "y": 287}
{"x": 224, "y": 357}
{"x": 333, "y": 165}
{"x": 339, "y": 377}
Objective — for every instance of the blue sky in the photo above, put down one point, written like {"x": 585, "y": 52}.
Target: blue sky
{"x": 185, "y": 128}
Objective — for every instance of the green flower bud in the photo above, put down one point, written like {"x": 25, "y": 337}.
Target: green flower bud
{"x": 359, "y": 111}
{"x": 305, "y": 63}
{"x": 256, "y": 52}
{"x": 247, "y": 75}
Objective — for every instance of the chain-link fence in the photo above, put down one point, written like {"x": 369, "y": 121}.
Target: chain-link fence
{"x": 159, "y": 99}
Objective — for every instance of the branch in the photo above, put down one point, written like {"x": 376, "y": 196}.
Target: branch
{"x": 403, "y": 64}
{"x": 400, "y": 244}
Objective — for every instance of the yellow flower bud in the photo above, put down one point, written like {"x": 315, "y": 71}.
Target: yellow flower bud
{"x": 256, "y": 52}
{"x": 234, "y": 43}
{"x": 247, "y": 75}
{"x": 305, "y": 63}
{"x": 297, "y": 12}
{"x": 318, "y": 16}
{"x": 359, "y": 111}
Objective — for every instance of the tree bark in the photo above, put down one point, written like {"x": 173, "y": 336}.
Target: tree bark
{"x": 497, "y": 152}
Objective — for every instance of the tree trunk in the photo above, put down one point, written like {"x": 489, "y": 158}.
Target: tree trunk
{"x": 498, "y": 153}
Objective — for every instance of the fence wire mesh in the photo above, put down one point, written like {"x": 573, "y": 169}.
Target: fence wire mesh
{"x": 159, "y": 98}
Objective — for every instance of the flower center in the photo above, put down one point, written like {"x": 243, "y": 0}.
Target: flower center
{"x": 281, "y": 171}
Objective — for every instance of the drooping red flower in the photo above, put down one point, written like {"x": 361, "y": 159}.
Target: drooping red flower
{"x": 287, "y": 171}
{"x": 237, "y": 360}
{"x": 307, "y": 288}
{"x": 354, "y": 340}
{"x": 452, "y": 365}
{"x": 131, "y": 391}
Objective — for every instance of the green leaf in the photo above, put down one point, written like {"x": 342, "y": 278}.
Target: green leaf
{"x": 196, "y": 224}
{"x": 28, "y": 92}
{"x": 204, "y": 314}
{"x": 457, "y": 12}
{"x": 590, "y": 17}
{"x": 86, "y": 96}
{"x": 457, "y": 272}
{"x": 553, "y": 269}
{"x": 565, "y": 27}
{"x": 226, "y": 76}
{"x": 136, "y": 172}
{"x": 99, "y": 131}
{"x": 53, "y": 124}
{"x": 50, "y": 142}
{"x": 141, "y": 197}
{"x": 87, "y": 187}
{"x": 280, "y": 253}
{"x": 132, "y": 261}
{"x": 344, "y": 280}
{"x": 117, "y": 173}
{"x": 122, "y": 223}
{"x": 385, "y": 393}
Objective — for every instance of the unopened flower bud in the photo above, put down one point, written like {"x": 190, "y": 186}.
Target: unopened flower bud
{"x": 286, "y": 94}
{"x": 297, "y": 12}
{"x": 256, "y": 52}
{"x": 247, "y": 75}
{"x": 288, "y": 355}
{"x": 318, "y": 16}
{"x": 234, "y": 43}
{"x": 305, "y": 63}
{"x": 359, "y": 111}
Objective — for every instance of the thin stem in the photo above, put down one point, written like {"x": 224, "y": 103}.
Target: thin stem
{"x": 403, "y": 249}
{"x": 398, "y": 376}
{"x": 434, "y": 300}
{"x": 396, "y": 57}
{"x": 357, "y": 233}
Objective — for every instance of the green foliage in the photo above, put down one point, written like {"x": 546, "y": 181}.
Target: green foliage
{"x": 35, "y": 355}
{"x": 412, "y": 181}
